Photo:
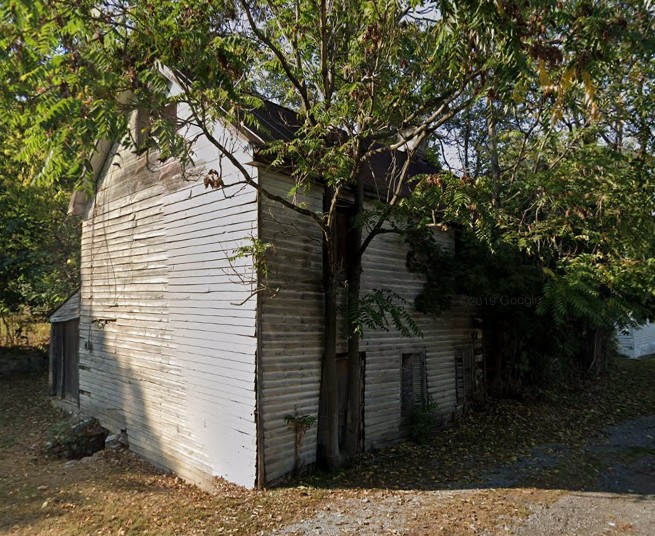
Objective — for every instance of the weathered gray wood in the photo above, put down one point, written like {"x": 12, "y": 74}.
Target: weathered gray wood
{"x": 55, "y": 354}
{"x": 165, "y": 351}
{"x": 291, "y": 334}
{"x": 69, "y": 310}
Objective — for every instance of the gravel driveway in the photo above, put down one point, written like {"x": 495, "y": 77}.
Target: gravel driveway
{"x": 605, "y": 487}
{"x": 624, "y": 502}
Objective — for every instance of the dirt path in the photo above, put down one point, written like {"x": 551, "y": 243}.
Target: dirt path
{"x": 621, "y": 497}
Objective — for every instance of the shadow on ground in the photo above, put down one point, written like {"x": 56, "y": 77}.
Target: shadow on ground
{"x": 595, "y": 441}
{"x": 594, "y": 436}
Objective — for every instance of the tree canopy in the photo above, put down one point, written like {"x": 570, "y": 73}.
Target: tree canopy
{"x": 539, "y": 117}
{"x": 39, "y": 246}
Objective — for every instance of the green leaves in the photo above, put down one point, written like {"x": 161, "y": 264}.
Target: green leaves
{"x": 383, "y": 309}
{"x": 38, "y": 247}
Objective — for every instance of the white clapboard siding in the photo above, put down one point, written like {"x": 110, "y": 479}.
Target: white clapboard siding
{"x": 291, "y": 333}
{"x": 291, "y": 330}
{"x": 219, "y": 339}
{"x": 129, "y": 367}
{"x": 166, "y": 352}
{"x": 637, "y": 341}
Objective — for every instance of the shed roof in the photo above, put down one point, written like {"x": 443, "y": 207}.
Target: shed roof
{"x": 69, "y": 310}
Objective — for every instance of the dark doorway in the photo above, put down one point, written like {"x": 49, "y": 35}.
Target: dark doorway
{"x": 64, "y": 360}
{"x": 413, "y": 388}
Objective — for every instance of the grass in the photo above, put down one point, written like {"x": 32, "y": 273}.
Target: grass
{"x": 23, "y": 331}
{"x": 118, "y": 493}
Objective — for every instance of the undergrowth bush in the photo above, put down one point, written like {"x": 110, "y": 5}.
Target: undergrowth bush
{"x": 422, "y": 421}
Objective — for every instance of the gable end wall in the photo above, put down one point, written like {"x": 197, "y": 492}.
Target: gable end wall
{"x": 166, "y": 352}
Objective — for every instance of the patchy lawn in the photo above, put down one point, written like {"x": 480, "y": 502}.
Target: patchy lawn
{"x": 407, "y": 489}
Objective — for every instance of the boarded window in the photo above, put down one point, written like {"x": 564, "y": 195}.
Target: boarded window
{"x": 469, "y": 373}
{"x": 413, "y": 382}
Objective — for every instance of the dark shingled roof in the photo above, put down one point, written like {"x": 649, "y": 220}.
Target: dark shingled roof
{"x": 277, "y": 123}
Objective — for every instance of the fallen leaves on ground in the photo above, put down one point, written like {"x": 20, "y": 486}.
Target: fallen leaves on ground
{"x": 116, "y": 492}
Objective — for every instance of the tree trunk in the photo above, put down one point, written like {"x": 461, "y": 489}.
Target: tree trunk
{"x": 329, "y": 386}
{"x": 352, "y": 439}
{"x": 493, "y": 153}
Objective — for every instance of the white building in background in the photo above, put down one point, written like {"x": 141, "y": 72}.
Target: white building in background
{"x": 636, "y": 342}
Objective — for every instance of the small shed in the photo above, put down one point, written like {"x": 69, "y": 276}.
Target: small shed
{"x": 636, "y": 342}
{"x": 63, "y": 377}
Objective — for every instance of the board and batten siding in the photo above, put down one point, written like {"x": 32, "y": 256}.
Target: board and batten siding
{"x": 167, "y": 351}
{"x": 291, "y": 331}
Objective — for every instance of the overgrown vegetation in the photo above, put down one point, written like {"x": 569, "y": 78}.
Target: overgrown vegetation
{"x": 500, "y": 431}
{"x": 301, "y": 424}
{"x": 421, "y": 422}
{"x": 39, "y": 253}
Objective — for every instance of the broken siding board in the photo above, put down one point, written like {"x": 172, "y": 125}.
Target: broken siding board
{"x": 219, "y": 283}
{"x": 103, "y": 260}
{"x": 224, "y": 231}
{"x": 127, "y": 315}
{"x": 201, "y": 206}
{"x": 115, "y": 231}
{"x": 214, "y": 211}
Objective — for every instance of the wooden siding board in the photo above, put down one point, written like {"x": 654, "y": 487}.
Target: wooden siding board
{"x": 292, "y": 331}
{"x": 383, "y": 349}
{"x": 291, "y": 336}
{"x": 69, "y": 310}
{"x": 154, "y": 368}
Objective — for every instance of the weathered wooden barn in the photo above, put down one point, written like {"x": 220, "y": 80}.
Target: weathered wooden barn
{"x": 177, "y": 348}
